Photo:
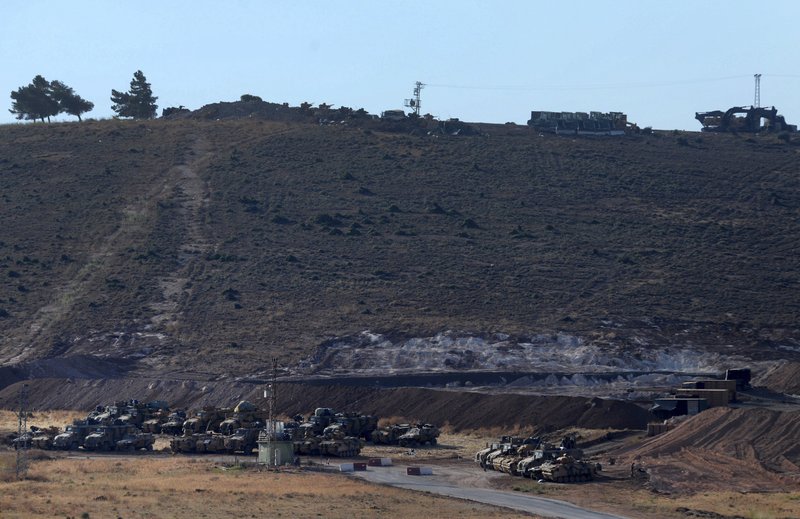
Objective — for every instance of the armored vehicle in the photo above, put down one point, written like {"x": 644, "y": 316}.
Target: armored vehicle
{"x": 73, "y": 435}
{"x": 136, "y": 441}
{"x": 565, "y": 469}
{"x": 105, "y": 437}
{"x": 174, "y": 423}
{"x": 184, "y": 443}
{"x": 389, "y": 435}
{"x": 243, "y": 440}
{"x": 210, "y": 443}
{"x": 345, "y": 447}
{"x": 424, "y": 434}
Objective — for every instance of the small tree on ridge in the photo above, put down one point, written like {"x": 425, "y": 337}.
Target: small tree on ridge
{"x": 139, "y": 102}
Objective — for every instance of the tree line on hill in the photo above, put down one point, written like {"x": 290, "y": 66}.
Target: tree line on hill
{"x": 42, "y": 99}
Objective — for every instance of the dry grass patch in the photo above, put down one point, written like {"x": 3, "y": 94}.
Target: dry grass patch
{"x": 59, "y": 418}
{"x": 180, "y": 487}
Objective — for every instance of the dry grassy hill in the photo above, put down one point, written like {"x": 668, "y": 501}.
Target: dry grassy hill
{"x": 206, "y": 247}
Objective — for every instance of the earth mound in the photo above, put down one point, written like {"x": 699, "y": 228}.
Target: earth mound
{"x": 460, "y": 410}
{"x": 784, "y": 378}
{"x": 723, "y": 448}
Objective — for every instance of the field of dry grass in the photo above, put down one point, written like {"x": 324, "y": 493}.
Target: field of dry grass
{"x": 181, "y": 487}
{"x": 59, "y": 418}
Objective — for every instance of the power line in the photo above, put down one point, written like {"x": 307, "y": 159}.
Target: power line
{"x": 604, "y": 86}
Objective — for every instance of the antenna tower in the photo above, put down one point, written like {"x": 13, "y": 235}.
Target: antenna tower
{"x": 414, "y": 103}
{"x": 22, "y": 428}
{"x": 757, "y": 98}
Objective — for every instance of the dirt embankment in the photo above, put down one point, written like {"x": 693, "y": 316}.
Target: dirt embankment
{"x": 461, "y": 410}
{"x": 783, "y": 379}
{"x": 723, "y": 448}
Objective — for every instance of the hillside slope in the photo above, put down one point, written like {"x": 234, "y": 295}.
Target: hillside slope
{"x": 207, "y": 247}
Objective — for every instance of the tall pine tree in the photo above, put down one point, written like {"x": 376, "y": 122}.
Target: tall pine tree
{"x": 138, "y": 102}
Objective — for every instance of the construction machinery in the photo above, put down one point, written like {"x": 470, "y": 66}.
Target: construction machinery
{"x": 752, "y": 119}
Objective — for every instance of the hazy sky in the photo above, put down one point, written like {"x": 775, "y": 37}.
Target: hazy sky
{"x": 492, "y": 61}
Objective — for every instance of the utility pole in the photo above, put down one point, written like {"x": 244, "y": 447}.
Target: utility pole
{"x": 272, "y": 398}
{"x": 22, "y": 428}
{"x": 415, "y": 103}
{"x": 757, "y": 98}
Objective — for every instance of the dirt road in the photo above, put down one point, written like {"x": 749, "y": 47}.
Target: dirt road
{"x": 458, "y": 482}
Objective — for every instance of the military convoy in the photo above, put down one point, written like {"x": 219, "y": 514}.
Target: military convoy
{"x": 131, "y": 426}
{"x": 536, "y": 459}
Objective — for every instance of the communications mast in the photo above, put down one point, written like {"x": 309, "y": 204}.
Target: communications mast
{"x": 415, "y": 103}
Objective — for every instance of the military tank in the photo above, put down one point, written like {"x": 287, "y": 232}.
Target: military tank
{"x": 565, "y": 469}
{"x": 346, "y": 447}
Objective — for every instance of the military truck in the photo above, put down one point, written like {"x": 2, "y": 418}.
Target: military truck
{"x": 105, "y": 437}
{"x": 134, "y": 441}
{"x": 73, "y": 435}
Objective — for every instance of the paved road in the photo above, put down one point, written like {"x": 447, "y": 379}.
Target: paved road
{"x": 444, "y": 482}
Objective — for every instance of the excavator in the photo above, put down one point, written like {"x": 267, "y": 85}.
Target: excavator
{"x": 743, "y": 119}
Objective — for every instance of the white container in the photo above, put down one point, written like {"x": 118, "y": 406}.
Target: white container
{"x": 386, "y": 462}
{"x": 346, "y": 467}
{"x": 425, "y": 471}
